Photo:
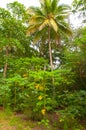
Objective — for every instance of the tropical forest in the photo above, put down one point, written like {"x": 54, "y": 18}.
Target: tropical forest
{"x": 43, "y": 66}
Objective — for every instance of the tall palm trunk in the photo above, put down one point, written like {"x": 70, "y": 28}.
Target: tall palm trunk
{"x": 51, "y": 60}
{"x": 6, "y": 64}
{"x": 50, "y": 49}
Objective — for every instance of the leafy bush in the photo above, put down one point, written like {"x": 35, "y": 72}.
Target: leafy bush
{"x": 73, "y": 102}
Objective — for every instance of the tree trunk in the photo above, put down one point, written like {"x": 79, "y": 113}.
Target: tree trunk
{"x": 5, "y": 70}
{"x": 51, "y": 61}
{"x": 6, "y": 64}
{"x": 50, "y": 50}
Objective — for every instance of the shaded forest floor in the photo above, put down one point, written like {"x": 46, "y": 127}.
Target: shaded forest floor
{"x": 18, "y": 121}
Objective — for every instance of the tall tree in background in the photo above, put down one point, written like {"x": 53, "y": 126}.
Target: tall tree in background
{"x": 49, "y": 17}
{"x": 12, "y": 31}
{"x": 4, "y": 16}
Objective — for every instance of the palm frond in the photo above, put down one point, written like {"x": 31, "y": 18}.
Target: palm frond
{"x": 34, "y": 10}
{"x": 44, "y": 24}
{"x": 35, "y": 19}
{"x": 32, "y": 29}
{"x": 62, "y": 16}
{"x": 54, "y": 5}
{"x": 47, "y": 6}
{"x": 63, "y": 8}
{"x": 30, "y": 10}
{"x": 64, "y": 27}
{"x": 41, "y": 2}
{"x": 54, "y": 25}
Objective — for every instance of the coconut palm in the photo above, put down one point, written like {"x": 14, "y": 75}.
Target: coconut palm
{"x": 48, "y": 21}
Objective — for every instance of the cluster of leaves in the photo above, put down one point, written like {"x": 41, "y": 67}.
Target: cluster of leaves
{"x": 73, "y": 102}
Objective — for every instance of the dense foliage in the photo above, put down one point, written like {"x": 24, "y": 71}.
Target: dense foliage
{"x": 28, "y": 83}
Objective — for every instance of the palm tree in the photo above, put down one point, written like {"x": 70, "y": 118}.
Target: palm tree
{"x": 48, "y": 21}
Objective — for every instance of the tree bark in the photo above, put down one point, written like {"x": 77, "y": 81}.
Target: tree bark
{"x": 51, "y": 60}
{"x": 50, "y": 50}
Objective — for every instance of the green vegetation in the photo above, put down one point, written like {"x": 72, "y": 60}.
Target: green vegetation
{"x": 42, "y": 66}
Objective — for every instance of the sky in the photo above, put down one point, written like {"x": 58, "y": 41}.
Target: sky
{"x": 28, "y": 3}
